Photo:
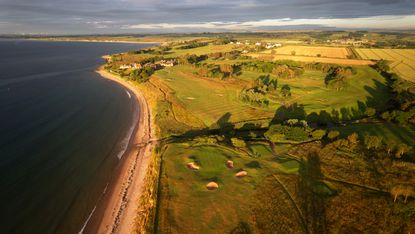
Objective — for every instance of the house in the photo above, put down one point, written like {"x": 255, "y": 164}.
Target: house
{"x": 131, "y": 66}
{"x": 125, "y": 66}
{"x": 136, "y": 66}
{"x": 258, "y": 44}
{"x": 167, "y": 63}
{"x": 238, "y": 42}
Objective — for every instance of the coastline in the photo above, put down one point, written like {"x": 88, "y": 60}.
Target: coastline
{"x": 117, "y": 209}
{"x": 96, "y": 41}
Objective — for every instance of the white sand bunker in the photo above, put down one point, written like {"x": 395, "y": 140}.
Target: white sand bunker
{"x": 212, "y": 186}
{"x": 193, "y": 166}
{"x": 229, "y": 164}
{"x": 241, "y": 174}
{"x": 190, "y": 98}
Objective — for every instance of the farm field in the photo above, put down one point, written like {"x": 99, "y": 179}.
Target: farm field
{"x": 402, "y": 60}
{"x": 310, "y": 59}
{"x": 313, "y": 51}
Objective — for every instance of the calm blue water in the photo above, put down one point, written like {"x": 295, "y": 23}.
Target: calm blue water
{"x": 60, "y": 131}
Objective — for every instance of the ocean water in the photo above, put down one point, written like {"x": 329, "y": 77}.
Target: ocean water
{"x": 61, "y": 129}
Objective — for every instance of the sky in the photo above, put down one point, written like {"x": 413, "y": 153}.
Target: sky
{"x": 156, "y": 16}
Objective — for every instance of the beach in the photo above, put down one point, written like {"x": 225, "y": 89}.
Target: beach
{"x": 117, "y": 208}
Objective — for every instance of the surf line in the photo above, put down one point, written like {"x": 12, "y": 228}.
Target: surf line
{"x": 128, "y": 93}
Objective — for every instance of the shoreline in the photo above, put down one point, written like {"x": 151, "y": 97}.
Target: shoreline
{"x": 117, "y": 209}
{"x": 91, "y": 41}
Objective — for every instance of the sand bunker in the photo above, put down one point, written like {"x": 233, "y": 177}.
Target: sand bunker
{"x": 241, "y": 174}
{"x": 229, "y": 164}
{"x": 212, "y": 186}
{"x": 190, "y": 98}
{"x": 193, "y": 166}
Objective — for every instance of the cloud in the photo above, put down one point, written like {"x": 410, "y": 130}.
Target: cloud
{"x": 375, "y": 22}
{"x": 67, "y": 15}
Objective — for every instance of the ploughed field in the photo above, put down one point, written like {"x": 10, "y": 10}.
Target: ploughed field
{"x": 402, "y": 61}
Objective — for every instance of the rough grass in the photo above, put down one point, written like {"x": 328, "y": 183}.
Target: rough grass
{"x": 188, "y": 207}
{"x": 388, "y": 131}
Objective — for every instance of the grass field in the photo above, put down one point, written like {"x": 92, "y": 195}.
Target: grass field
{"x": 402, "y": 60}
{"x": 388, "y": 131}
{"x": 209, "y": 99}
{"x": 188, "y": 207}
{"x": 313, "y": 51}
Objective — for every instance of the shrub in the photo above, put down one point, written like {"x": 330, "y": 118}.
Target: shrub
{"x": 238, "y": 143}
{"x": 333, "y": 134}
{"x": 318, "y": 134}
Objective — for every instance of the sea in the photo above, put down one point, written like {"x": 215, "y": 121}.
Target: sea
{"x": 62, "y": 130}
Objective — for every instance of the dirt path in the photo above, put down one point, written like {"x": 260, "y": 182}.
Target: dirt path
{"x": 118, "y": 208}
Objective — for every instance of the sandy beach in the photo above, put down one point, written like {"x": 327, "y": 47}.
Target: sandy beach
{"x": 117, "y": 209}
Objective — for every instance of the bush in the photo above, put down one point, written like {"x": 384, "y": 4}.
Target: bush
{"x": 333, "y": 134}
{"x": 238, "y": 143}
{"x": 318, "y": 134}
{"x": 141, "y": 75}
{"x": 279, "y": 132}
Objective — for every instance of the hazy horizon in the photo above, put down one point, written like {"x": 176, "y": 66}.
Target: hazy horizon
{"x": 144, "y": 16}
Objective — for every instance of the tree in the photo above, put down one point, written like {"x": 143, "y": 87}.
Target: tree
{"x": 304, "y": 124}
{"x": 333, "y": 134}
{"x": 292, "y": 122}
{"x": 390, "y": 146}
{"x": 372, "y": 141}
{"x": 318, "y": 134}
{"x": 238, "y": 143}
{"x": 382, "y": 65}
{"x": 370, "y": 111}
{"x": 286, "y": 91}
{"x": 402, "y": 149}
{"x": 353, "y": 138}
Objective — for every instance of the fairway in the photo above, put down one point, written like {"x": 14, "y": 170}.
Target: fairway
{"x": 209, "y": 99}
{"x": 402, "y": 60}
{"x": 313, "y": 51}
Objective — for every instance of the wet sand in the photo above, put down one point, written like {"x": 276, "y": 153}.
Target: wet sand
{"x": 117, "y": 209}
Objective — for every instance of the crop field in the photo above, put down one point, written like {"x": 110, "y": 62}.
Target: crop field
{"x": 313, "y": 51}
{"x": 203, "y": 50}
{"x": 402, "y": 60}
{"x": 309, "y": 59}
